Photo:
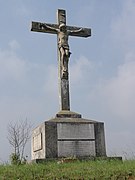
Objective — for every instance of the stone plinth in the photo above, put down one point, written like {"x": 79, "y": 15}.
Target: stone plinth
{"x": 68, "y": 135}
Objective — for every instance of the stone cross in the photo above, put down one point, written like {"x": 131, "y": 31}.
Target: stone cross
{"x": 63, "y": 32}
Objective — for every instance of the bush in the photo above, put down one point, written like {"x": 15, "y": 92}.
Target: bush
{"x": 15, "y": 159}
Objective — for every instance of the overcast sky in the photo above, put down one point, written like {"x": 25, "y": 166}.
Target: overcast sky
{"x": 102, "y": 67}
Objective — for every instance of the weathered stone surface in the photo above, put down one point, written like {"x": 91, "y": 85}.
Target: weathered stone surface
{"x": 51, "y": 139}
{"x": 38, "y": 149}
{"x": 37, "y": 142}
{"x": 67, "y": 114}
{"x": 69, "y": 137}
{"x": 100, "y": 139}
{"x": 75, "y": 139}
{"x": 76, "y": 148}
{"x": 75, "y": 131}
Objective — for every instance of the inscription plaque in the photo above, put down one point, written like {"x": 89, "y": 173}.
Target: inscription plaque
{"x": 76, "y": 148}
{"x": 37, "y": 142}
{"x": 75, "y": 131}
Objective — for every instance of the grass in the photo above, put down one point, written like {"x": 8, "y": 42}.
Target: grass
{"x": 77, "y": 170}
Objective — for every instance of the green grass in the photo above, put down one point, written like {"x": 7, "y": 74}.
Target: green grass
{"x": 78, "y": 170}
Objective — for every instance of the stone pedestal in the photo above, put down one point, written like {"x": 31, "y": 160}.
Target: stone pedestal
{"x": 68, "y": 135}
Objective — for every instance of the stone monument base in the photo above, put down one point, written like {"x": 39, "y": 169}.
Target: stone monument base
{"x": 68, "y": 135}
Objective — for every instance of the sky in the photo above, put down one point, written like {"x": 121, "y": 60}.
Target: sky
{"x": 102, "y": 68}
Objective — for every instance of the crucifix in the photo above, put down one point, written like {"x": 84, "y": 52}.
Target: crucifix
{"x": 63, "y": 32}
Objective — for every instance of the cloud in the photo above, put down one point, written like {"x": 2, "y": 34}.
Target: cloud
{"x": 120, "y": 91}
{"x": 79, "y": 69}
{"x": 51, "y": 81}
{"x": 15, "y": 68}
{"x": 114, "y": 96}
{"x": 22, "y": 9}
{"x": 123, "y": 26}
{"x": 11, "y": 66}
{"x": 14, "y": 45}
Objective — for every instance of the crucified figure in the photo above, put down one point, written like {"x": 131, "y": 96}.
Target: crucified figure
{"x": 63, "y": 45}
{"x": 63, "y": 32}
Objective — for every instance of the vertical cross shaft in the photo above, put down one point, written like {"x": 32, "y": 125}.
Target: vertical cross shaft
{"x": 64, "y": 97}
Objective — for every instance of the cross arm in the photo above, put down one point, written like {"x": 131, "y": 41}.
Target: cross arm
{"x": 44, "y": 27}
{"x": 79, "y": 31}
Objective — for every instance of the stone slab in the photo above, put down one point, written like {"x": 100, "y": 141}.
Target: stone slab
{"x": 76, "y": 148}
{"x": 38, "y": 149}
{"x": 51, "y": 139}
{"x": 68, "y": 114}
{"x": 75, "y": 131}
{"x": 90, "y": 158}
{"x": 37, "y": 142}
{"x": 72, "y": 120}
{"x": 100, "y": 139}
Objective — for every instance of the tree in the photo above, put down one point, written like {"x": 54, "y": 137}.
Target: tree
{"x": 18, "y": 136}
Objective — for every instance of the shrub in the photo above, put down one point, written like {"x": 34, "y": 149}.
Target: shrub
{"x": 15, "y": 159}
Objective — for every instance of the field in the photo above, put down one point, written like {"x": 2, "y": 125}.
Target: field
{"x": 76, "y": 170}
